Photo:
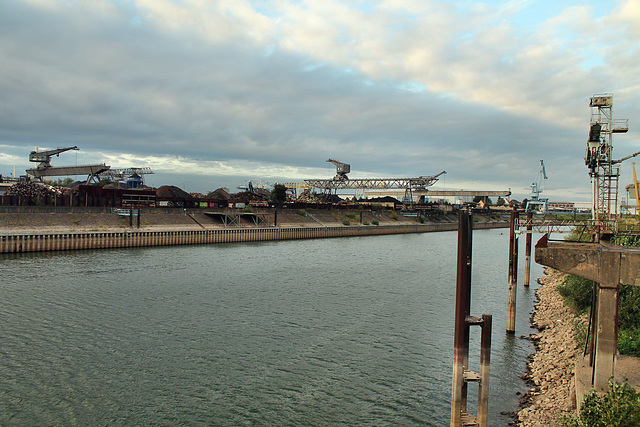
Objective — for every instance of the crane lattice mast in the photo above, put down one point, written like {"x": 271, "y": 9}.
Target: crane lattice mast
{"x": 599, "y": 157}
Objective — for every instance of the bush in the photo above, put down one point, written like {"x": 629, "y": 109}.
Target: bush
{"x": 365, "y": 223}
{"x": 629, "y": 342}
{"x": 302, "y": 212}
{"x": 628, "y": 315}
{"x": 629, "y": 310}
{"x": 247, "y": 209}
{"x": 422, "y": 219}
{"x": 375, "y": 222}
{"x": 346, "y": 222}
{"x": 576, "y": 293}
{"x": 626, "y": 240}
{"x": 393, "y": 216}
{"x": 619, "y": 407}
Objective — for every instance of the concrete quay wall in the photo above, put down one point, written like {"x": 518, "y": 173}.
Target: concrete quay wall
{"x": 21, "y": 243}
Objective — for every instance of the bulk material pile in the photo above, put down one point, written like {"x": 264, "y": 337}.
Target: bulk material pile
{"x": 32, "y": 189}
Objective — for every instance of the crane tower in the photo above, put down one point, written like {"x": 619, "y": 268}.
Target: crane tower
{"x": 602, "y": 168}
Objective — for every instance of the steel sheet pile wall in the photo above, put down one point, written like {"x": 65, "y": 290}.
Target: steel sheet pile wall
{"x": 125, "y": 239}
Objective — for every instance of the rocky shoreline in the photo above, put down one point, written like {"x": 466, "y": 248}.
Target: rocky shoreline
{"x": 550, "y": 371}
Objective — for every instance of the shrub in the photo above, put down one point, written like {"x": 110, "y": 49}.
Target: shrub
{"x": 247, "y": 209}
{"x": 629, "y": 310}
{"x": 629, "y": 342}
{"x": 365, "y": 223}
{"x": 393, "y": 216}
{"x": 375, "y": 222}
{"x": 422, "y": 219}
{"x": 346, "y": 222}
{"x": 628, "y": 315}
{"x": 619, "y": 407}
{"x": 626, "y": 240}
{"x": 302, "y": 212}
{"x": 576, "y": 293}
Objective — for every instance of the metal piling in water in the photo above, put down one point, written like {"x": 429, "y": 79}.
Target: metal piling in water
{"x": 463, "y": 321}
{"x": 513, "y": 273}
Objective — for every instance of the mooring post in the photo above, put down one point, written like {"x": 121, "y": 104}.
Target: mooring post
{"x": 513, "y": 274}
{"x": 463, "y": 321}
{"x": 275, "y": 217}
{"x": 131, "y": 217}
{"x": 138, "y": 217}
{"x": 485, "y": 361}
{"x": 527, "y": 250}
{"x": 463, "y": 306}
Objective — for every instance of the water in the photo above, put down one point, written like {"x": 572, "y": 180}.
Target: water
{"x": 349, "y": 331}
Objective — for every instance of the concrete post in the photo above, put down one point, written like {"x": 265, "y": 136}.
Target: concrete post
{"x": 607, "y": 320}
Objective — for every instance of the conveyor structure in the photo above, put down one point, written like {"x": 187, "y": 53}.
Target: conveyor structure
{"x": 124, "y": 173}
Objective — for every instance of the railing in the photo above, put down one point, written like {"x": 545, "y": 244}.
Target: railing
{"x": 580, "y": 227}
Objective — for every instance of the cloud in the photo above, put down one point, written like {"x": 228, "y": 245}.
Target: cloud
{"x": 234, "y": 90}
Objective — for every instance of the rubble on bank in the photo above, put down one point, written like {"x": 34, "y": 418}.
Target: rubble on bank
{"x": 550, "y": 371}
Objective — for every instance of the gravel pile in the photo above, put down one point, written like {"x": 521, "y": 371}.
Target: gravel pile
{"x": 551, "y": 369}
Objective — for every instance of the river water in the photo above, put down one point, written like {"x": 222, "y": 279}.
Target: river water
{"x": 345, "y": 331}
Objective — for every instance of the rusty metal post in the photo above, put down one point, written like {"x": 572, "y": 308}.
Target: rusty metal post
{"x": 461, "y": 329}
{"x": 527, "y": 250}
{"x": 131, "y": 217}
{"x": 275, "y": 217}
{"x": 485, "y": 361}
{"x": 138, "y": 217}
{"x": 513, "y": 274}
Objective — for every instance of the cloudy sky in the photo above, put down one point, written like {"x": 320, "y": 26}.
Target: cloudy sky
{"x": 212, "y": 93}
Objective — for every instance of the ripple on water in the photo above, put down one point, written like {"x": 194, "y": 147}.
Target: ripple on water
{"x": 311, "y": 332}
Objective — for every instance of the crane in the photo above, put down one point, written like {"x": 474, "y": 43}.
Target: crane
{"x": 342, "y": 169}
{"x": 44, "y": 168}
{"x": 44, "y": 157}
{"x": 536, "y": 189}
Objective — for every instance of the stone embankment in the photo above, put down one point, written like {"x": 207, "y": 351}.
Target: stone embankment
{"x": 551, "y": 369}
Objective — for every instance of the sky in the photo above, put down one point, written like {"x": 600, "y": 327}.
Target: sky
{"x": 211, "y": 94}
